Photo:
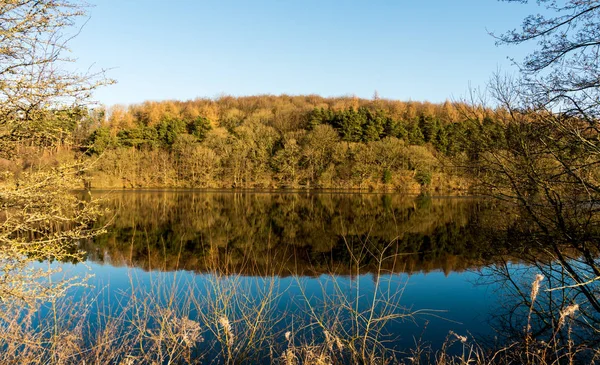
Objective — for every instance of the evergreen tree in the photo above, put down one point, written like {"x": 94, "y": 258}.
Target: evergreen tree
{"x": 441, "y": 141}
{"x": 199, "y": 127}
{"x": 374, "y": 126}
{"x": 429, "y": 127}
{"x": 415, "y": 135}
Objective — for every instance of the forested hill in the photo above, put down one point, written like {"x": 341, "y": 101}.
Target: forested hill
{"x": 286, "y": 142}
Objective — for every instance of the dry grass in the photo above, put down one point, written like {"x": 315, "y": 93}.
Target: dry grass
{"x": 227, "y": 318}
{"x": 230, "y": 319}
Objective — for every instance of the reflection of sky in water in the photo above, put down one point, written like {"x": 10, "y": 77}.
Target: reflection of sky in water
{"x": 457, "y": 303}
{"x": 433, "y": 243}
{"x": 305, "y": 234}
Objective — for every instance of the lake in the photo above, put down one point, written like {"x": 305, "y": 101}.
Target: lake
{"x": 393, "y": 271}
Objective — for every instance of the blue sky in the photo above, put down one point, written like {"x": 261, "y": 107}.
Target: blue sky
{"x": 183, "y": 49}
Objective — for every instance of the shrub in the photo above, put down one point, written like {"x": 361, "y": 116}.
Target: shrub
{"x": 423, "y": 177}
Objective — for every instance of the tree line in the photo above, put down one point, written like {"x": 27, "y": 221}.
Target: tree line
{"x": 286, "y": 142}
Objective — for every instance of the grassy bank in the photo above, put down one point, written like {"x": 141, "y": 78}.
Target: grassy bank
{"x": 230, "y": 318}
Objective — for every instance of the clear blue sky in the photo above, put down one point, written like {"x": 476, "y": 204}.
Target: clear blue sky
{"x": 184, "y": 49}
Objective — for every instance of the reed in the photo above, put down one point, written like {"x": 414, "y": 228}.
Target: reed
{"x": 229, "y": 318}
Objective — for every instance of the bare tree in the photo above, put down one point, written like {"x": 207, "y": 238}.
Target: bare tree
{"x": 553, "y": 116}
{"x": 34, "y": 82}
{"x": 549, "y": 162}
{"x": 40, "y": 218}
{"x": 563, "y": 73}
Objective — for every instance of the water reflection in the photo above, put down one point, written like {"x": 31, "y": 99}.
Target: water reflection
{"x": 398, "y": 272}
{"x": 305, "y": 234}
{"x": 544, "y": 311}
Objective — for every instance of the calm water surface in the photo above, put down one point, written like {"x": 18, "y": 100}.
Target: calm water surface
{"x": 433, "y": 257}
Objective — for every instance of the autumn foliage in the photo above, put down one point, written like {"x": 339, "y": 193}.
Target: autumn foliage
{"x": 283, "y": 142}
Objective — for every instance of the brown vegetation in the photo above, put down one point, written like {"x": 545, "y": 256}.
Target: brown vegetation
{"x": 299, "y": 234}
{"x": 280, "y": 142}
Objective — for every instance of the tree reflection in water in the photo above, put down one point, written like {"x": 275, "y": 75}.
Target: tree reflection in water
{"x": 297, "y": 233}
{"x": 291, "y": 234}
